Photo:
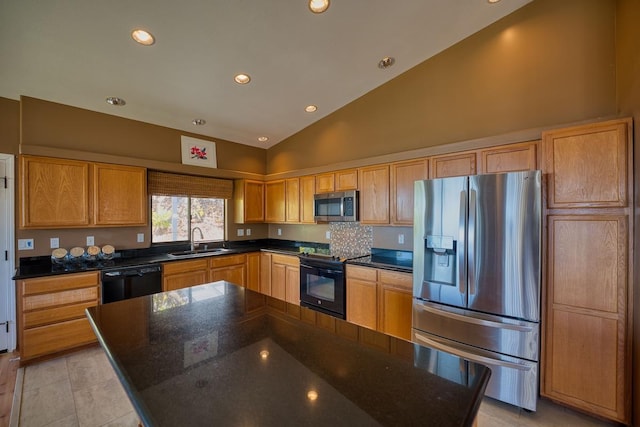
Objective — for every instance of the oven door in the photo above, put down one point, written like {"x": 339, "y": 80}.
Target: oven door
{"x": 323, "y": 289}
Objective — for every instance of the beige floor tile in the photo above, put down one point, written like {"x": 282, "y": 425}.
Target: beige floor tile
{"x": 47, "y": 404}
{"x": 101, "y": 403}
{"x": 88, "y": 368}
{"x": 129, "y": 420}
{"x": 41, "y": 374}
{"x": 70, "y": 421}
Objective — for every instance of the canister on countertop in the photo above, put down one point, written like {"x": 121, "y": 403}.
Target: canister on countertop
{"x": 59, "y": 256}
{"x": 107, "y": 252}
{"x": 76, "y": 253}
{"x": 92, "y": 253}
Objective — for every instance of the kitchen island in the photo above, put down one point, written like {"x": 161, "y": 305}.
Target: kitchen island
{"x": 219, "y": 354}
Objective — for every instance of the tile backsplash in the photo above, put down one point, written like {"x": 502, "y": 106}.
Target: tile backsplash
{"x": 350, "y": 238}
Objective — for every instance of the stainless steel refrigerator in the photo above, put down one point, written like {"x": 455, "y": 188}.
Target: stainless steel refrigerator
{"x": 476, "y": 276}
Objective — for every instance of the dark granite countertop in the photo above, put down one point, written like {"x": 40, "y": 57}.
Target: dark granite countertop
{"x": 42, "y": 266}
{"x": 219, "y": 354}
{"x": 388, "y": 259}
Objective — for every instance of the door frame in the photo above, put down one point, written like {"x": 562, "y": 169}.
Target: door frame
{"x": 9, "y": 225}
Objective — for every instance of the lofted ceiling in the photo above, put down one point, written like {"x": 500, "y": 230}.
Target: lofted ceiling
{"x": 79, "y": 52}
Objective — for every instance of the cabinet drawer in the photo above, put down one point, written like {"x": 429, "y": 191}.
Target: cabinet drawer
{"x": 362, "y": 273}
{"x": 223, "y": 261}
{"x": 396, "y": 279}
{"x": 34, "y": 302}
{"x": 57, "y": 337}
{"x": 286, "y": 260}
{"x": 59, "y": 283}
{"x": 184, "y": 266}
{"x": 58, "y": 314}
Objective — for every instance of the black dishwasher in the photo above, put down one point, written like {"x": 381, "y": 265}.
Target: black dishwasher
{"x": 129, "y": 282}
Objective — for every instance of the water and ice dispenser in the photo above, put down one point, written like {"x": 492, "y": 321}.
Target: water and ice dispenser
{"x": 440, "y": 260}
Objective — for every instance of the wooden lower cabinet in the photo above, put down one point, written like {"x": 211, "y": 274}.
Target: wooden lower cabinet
{"x": 232, "y": 268}
{"x": 253, "y": 271}
{"x": 183, "y": 274}
{"x": 380, "y": 299}
{"x": 51, "y": 313}
{"x": 265, "y": 273}
{"x": 285, "y": 278}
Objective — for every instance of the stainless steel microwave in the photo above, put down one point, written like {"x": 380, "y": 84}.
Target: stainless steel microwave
{"x": 339, "y": 206}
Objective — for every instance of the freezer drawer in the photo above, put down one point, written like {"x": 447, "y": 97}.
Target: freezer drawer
{"x": 513, "y": 380}
{"x": 512, "y": 337}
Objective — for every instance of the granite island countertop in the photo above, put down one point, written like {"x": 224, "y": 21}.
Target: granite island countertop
{"x": 219, "y": 354}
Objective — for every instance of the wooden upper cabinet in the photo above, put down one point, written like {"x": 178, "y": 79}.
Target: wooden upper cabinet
{"x": 325, "y": 183}
{"x": 307, "y": 191}
{"x": 510, "y": 158}
{"x": 120, "y": 195}
{"x": 403, "y": 176}
{"x": 292, "y": 200}
{"x": 462, "y": 164}
{"x": 588, "y": 165}
{"x": 54, "y": 193}
{"x": 248, "y": 198}
{"x": 346, "y": 180}
{"x": 374, "y": 194}
{"x": 274, "y": 195}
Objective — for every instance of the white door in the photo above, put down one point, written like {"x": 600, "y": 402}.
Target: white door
{"x": 7, "y": 254}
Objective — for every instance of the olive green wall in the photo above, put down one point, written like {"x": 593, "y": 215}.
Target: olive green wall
{"x": 549, "y": 63}
{"x": 628, "y": 78}
{"x": 9, "y": 126}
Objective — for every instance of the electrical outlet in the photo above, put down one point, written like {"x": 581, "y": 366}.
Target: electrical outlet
{"x": 240, "y": 232}
{"x": 140, "y": 238}
{"x": 401, "y": 239}
{"x": 327, "y": 235}
{"x": 279, "y": 231}
{"x": 90, "y": 241}
{"x": 25, "y": 244}
{"x": 54, "y": 243}
{"x": 248, "y": 232}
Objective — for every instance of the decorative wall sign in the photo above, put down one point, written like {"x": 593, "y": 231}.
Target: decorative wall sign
{"x": 198, "y": 152}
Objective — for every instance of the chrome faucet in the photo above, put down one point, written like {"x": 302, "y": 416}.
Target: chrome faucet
{"x": 192, "y": 239}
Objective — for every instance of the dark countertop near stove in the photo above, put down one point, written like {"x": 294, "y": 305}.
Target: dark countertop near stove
{"x": 219, "y": 354}
{"x": 388, "y": 259}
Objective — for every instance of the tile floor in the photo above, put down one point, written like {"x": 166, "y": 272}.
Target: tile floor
{"x": 81, "y": 389}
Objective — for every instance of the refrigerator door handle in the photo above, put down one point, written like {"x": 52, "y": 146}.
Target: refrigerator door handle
{"x": 475, "y": 320}
{"x": 470, "y": 356}
{"x": 462, "y": 243}
{"x": 471, "y": 245}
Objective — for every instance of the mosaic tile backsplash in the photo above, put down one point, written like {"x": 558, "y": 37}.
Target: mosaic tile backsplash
{"x": 350, "y": 239}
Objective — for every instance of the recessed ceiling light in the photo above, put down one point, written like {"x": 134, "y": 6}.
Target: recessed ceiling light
{"x": 143, "y": 37}
{"x": 386, "y": 62}
{"x": 114, "y": 100}
{"x": 198, "y": 122}
{"x": 310, "y": 108}
{"x": 318, "y": 6}
{"x": 263, "y": 138}
{"x": 242, "y": 79}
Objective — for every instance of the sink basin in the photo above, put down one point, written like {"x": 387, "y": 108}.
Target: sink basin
{"x": 197, "y": 252}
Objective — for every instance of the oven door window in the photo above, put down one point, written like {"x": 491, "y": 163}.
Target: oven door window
{"x": 322, "y": 287}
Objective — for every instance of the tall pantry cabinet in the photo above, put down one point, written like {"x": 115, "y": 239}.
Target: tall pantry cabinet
{"x": 589, "y": 229}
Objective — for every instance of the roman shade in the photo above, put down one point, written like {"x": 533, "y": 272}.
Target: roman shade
{"x": 171, "y": 184}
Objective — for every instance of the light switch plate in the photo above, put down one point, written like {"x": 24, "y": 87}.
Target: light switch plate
{"x": 248, "y": 232}
{"x": 240, "y": 232}
{"x": 327, "y": 235}
{"x": 25, "y": 244}
{"x": 90, "y": 241}
{"x": 279, "y": 231}
{"x": 140, "y": 237}
{"x": 401, "y": 239}
{"x": 54, "y": 243}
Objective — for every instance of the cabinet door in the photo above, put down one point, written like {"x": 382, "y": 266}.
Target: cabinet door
{"x": 292, "y": 291}
{"x": 184, "y": 280}
{"x": 325, "y": 183}
{"x": 253, "y": 271}
{"x": 453, "y": 165}
{"x": 362, "y": 302}
{"x": 374, "y": 194}
{"x": 120, "y": 195}
{"x": 510, "y": 158}
{"x": 403, "y": 175}
{"x": 274, "y": 193}
{"x": 588, "y": 166}
{"x": 307, "y": 190}
{"x": 265, "y": 273}
{"x": 395, "y": 303}
{"x": 586, "y": 336}
{"x": 248, "y": 198}
{"x": 236, "y": 274}
{"x": 53, "y": 193}
{"x": 346, "y": 180}
{"x": 278, "y": 281}
{"x": 292, "y": 200}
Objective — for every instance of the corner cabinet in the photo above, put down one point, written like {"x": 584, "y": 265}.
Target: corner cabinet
{"x": 586, "y": 357}
{"x": 51, "y": 315}
{"x": 59, "y": 193}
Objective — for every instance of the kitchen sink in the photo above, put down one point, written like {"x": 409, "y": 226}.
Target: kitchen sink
{"x": 197, "y": 252}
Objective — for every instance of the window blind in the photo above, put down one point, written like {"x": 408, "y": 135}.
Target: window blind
{"x": 171, "y": 184}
